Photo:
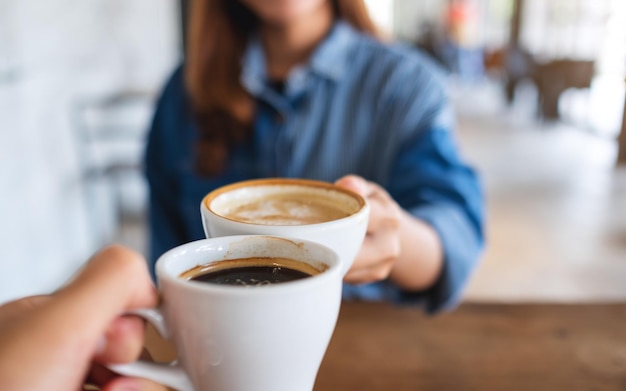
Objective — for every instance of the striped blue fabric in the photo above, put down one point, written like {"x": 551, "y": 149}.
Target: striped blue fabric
{"x": 357, "y": 107}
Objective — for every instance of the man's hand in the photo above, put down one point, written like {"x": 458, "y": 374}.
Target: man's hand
{"x": 59, "y": 342}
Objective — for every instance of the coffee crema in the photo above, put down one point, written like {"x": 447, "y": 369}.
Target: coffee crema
{"x": 249, "y": 272}
{"x": 283, "y": 202}
{"x": 286, "y": 209}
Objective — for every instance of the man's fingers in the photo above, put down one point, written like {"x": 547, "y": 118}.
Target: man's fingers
{"x": 118, "y": 277}
{"x": 122, "y": 342}
{"x": 17, "y": 308}
{"x": 99, "y": 375}
{"x": 113, "y": 281}
{"x": 132, "y": 384}
{"x": 42, "y": 331}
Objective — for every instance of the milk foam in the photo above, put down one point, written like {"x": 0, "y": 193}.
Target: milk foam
{"x": 284, "y": 204}
{"x": 280, "y": 210}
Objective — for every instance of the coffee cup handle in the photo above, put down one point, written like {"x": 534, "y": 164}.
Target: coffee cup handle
{"x": 169, "y": 374}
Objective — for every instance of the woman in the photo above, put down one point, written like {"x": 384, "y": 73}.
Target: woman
{"x": 303, "y": 88}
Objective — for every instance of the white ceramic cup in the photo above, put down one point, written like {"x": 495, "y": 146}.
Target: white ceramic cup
{"x": 234, "y": 338}
{"x": 344, "y": 235}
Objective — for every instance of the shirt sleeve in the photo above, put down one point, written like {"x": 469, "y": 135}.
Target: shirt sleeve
{"x": 431, "y": 181}
{"x": 166, "y": 229}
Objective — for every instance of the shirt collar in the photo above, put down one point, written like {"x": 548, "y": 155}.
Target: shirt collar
{"x": 330, "y": 59}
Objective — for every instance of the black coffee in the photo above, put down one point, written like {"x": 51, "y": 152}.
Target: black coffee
{"x": 252, "y": 276}
{"x": 251, "y": 272}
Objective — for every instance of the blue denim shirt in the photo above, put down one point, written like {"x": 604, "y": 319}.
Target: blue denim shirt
{"x": 357, "y": 107}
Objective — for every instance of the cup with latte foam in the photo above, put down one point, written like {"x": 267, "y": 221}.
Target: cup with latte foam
{"x": 297, "y": 208}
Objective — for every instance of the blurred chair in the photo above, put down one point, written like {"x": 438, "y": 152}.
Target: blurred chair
{"x": 551, "y": 78}
{"x": 110, "y": 137}
{"x": 554, "y": 77}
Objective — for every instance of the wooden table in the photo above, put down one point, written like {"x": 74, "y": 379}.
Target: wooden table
{"x": 482, "y": 347}
{"x": 477, "y": 347}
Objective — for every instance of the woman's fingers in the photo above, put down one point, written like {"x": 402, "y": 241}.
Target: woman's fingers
{"x": 375, "y": 259}
{"x": 381, "y": 246}
{"x": 354, "y": 183}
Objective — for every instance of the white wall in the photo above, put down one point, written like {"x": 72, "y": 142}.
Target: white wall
{"x": 410, "y": 15}
{"x": 53, "y": 53}
{"x": 381, "y": 12}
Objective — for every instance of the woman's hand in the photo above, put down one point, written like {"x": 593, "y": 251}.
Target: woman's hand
{"x": 382, "y": 246}
{"x": 59, "y": 342}
{"x": 397, "y": 245}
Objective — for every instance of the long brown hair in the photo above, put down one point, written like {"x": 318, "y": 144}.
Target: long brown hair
{"x": 217, "y": 36}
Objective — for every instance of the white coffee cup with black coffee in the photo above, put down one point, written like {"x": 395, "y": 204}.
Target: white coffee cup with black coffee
{"x": 244, "y": 313}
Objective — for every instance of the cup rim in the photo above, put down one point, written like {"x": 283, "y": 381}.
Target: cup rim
{"x": 218, "y": 244}
{"x": 212, "y": 195}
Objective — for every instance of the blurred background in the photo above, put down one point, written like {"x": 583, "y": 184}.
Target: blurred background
{"x": 538, "y": 87}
